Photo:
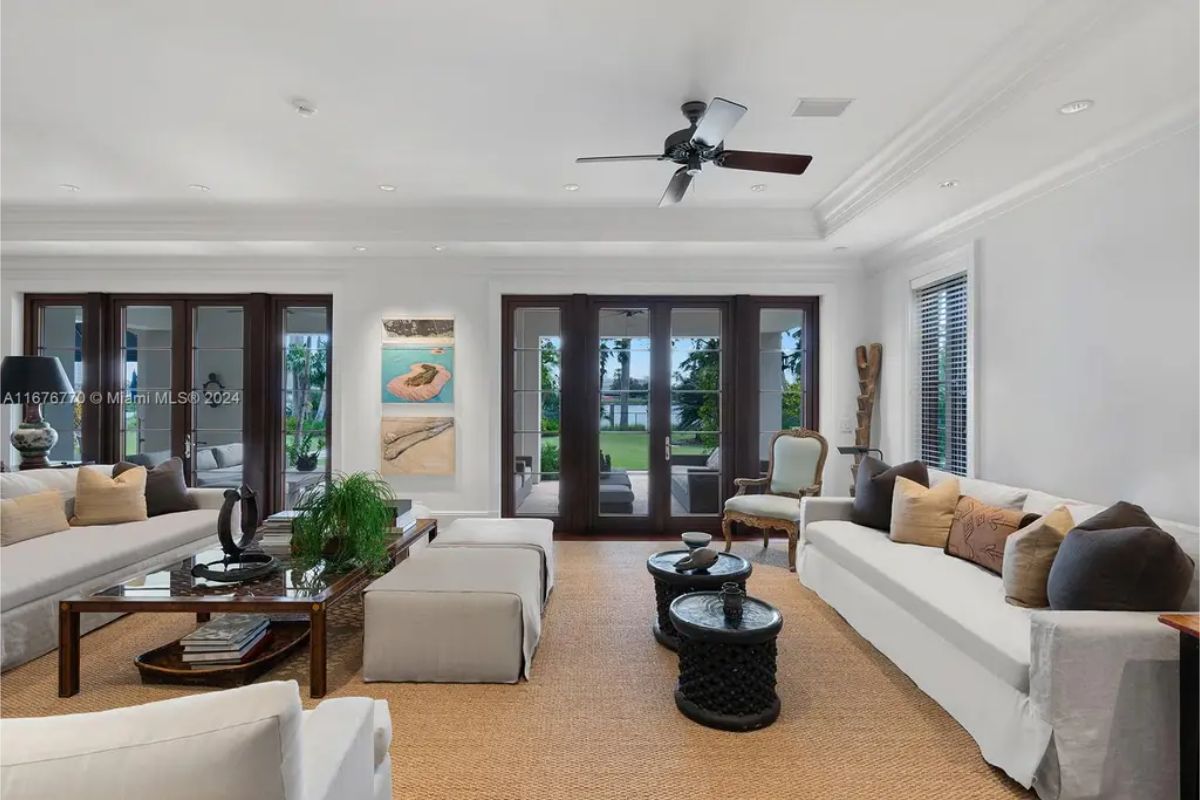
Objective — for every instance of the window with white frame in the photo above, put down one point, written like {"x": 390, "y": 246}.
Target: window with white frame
{"x": 942, "y": 379}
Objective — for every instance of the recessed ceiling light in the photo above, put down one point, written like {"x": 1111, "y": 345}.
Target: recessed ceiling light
{"x": 358, "y": 248}
{"x": 68, "y": 187}
{"x": 947, "y": 184}
{"x": 758, "y": 187}
{"x": 840, "y": 248}
{"x": 438, "y": 248}
{"x": 303, "y": 107}
{"x": 571, "y": 187}
{"x": 197, "y": 187}
{"x": 386, "y": 187}
{"x": 1075, "y": 106}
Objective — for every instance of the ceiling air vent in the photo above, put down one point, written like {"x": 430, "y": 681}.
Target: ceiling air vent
{"x": 821, "y": 106}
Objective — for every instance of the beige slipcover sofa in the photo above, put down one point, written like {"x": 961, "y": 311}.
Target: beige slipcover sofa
{"x": 36, "y": 573}
{"x": 256, "y": 741}
{"x": 1075, "y": 704}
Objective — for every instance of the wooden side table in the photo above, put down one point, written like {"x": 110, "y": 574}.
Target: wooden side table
{"x": 1188, "y": 626}
{"x": 669, "y": 584}
{"x": 726, "y": 670}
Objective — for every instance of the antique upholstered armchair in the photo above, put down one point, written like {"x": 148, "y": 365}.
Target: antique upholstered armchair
{"x": 794, "y": 471}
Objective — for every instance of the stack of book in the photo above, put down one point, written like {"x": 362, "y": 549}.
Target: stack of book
{"x": 228, "y": 639}
{"x": 276, "y": 529}
{"x": 406, "y": 516}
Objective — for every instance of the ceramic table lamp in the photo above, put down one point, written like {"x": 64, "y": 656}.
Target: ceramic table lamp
{"x": 31, "y": 381}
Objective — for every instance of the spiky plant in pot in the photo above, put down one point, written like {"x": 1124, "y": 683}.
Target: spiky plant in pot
{"x": 345, "y": 522}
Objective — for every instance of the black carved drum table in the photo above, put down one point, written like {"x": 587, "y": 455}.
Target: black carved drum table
{"x": 726, "y": 670}
{"x": 669, "y": 584}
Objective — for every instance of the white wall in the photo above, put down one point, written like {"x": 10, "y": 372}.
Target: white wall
{"x": 1086, "y": 336}
{"x": 366, "y": 290}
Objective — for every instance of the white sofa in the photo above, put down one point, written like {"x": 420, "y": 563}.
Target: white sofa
{"x": 255, "y": 743}
{"x": 36, "y": 573}
{"x": 1075, "y": 704}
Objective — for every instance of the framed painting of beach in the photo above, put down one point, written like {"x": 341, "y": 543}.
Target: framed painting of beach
{"x": 417, "y": 446}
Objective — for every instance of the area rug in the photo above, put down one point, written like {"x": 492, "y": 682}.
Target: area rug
{"x": 597, "y": 720}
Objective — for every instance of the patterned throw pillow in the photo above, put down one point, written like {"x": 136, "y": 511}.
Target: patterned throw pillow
{"x": 978, "y": 532}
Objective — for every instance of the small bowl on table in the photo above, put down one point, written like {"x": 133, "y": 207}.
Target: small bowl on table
{"x": 696, "y": 539}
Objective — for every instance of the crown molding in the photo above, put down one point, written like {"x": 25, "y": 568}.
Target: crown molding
{"x": 1003, "y": 75}
{"x": 1171, "y": 122}
{"x": 279, "y": 223}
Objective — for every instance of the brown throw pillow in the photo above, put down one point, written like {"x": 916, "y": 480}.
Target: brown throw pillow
{"x": 101, "y": 500}
{"x": 1119, "y": 560}
{"x": 922, "y": 515}
{"x": 1028, "y": 555}
{"x": 30, "y": 516}
{"x": 978, "y": 532}
{"x": 166, "y": 490}
{"x": 873, "y": 486}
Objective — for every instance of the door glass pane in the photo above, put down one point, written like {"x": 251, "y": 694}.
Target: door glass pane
{"x": 624, "y": 483}
{"x": 61, "y": 336}
{"x": 305, "y": 437}
{"x": 696, "y": 399}
{"x": 145, "y": 359}
{"x": 782, "y": 365}
{"x": 218, "y": 454}
{"x": 534, "y": 475}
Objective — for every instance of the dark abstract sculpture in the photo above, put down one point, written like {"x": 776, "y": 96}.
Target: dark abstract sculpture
{"x": 239, "y": 563}
{"x": 699, "y": 559}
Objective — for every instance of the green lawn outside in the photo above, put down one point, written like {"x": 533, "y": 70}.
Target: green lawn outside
{"x": 632, "y": 450}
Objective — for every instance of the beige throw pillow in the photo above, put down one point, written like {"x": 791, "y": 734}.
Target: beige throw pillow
{"x": 1028, "y": 555}
{"x": 101, "y": 500}
{"x": 923, "y": 515}
{"x": 30, "y": 516}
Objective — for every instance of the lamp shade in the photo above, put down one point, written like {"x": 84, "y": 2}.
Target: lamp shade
{"x": 33, "y": 379}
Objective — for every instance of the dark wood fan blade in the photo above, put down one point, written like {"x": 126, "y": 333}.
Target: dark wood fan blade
{"x": 676, "y": 189}
{"x": 717, "y": 122}
{"x": 786, "y": 163}
{"x": 599, "y": 159}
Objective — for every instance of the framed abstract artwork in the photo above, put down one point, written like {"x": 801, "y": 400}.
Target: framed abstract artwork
{"x": 417, "y": 360}
{"x": 417, "y": 446}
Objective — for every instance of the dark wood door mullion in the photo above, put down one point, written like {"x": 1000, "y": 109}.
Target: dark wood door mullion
{"x": 659, "y": 493}
{"x": 181, "y": 371}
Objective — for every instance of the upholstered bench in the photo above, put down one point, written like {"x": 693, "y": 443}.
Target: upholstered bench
{"x": 455, "y": 615}
{"x": 531, "y": 534}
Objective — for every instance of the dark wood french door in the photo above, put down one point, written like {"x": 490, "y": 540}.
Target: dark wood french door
{"x": 634, "y": 415}
{"x": 660, "y": 410}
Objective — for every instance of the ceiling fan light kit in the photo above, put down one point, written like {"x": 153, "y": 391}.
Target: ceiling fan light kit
{"x": 703, "y": 141}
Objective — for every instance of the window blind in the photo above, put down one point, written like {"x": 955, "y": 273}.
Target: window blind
{"x": 942, "y": 378}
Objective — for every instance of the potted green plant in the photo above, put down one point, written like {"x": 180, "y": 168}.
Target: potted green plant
{"x": 345, "y": 522}
{"x": 303, "y": 452}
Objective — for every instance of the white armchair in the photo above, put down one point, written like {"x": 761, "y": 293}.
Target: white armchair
{"x": 255, "y": 742}
{"x": 795, "y": 469}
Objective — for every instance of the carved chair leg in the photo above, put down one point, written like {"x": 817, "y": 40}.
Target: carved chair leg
{"x": 793, "y": 535}
{"x": 766, "y": 538}
{"x": 727, "y": 529}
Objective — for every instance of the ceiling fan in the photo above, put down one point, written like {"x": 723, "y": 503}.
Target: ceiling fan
{"x": 704, "y": 141}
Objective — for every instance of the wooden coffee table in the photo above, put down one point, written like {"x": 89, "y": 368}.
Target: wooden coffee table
{"x": 172, "y": 589}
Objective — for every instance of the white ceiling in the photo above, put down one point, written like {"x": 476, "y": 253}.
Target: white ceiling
{"x": 473, "y": 108}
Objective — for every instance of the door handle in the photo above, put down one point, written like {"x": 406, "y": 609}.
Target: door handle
{"x": 667, "y": 448}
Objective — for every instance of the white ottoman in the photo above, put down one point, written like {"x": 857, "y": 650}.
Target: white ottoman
{"x": 454, "y": 615}
{"x": 534, "y": 534}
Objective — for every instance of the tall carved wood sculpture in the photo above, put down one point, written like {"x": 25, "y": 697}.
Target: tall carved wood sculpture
{"x": 867, "y": 359}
